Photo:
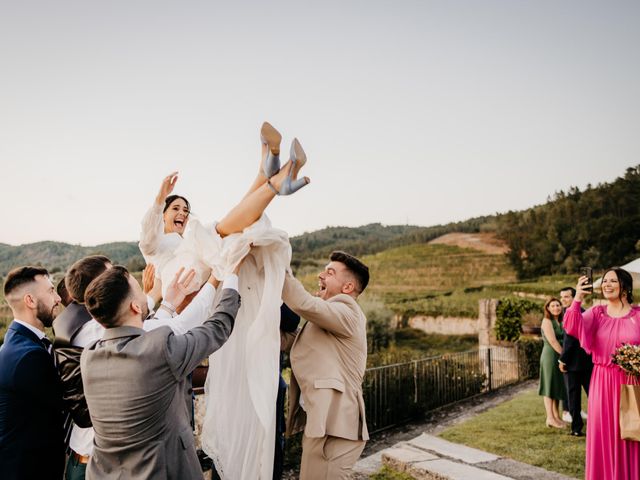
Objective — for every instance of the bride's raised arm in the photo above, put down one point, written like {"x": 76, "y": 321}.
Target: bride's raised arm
{"x": 153, "y": 222}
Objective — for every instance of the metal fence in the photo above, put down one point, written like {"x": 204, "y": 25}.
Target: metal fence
{"x": 395, "y": 394}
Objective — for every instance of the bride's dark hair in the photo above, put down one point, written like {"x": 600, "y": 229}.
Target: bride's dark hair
{"x": 171, "y": 198}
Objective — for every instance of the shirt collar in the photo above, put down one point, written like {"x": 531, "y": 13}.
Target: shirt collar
{"x": 35, "y": 330}
{"x": 119, "y": 332}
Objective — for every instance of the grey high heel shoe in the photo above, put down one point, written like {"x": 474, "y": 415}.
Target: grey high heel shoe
{"x": 291, "y": 184}
{"x": 271, "y": 138}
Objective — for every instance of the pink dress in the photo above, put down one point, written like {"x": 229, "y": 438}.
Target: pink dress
{"x": 608, "y": 457}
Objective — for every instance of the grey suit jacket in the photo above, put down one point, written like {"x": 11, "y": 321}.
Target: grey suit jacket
{"x": 136, "y": 389}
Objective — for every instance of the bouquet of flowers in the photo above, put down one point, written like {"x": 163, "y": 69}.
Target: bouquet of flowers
{"x": 627, "y": 357}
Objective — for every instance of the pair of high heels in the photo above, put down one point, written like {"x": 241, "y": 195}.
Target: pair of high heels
{"x": 271, "y": 162}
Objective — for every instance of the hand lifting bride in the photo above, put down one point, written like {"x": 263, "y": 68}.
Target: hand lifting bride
{"x": 241, "y": 387}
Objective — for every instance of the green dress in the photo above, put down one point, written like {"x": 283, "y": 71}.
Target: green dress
{"x": 551, "y": 378}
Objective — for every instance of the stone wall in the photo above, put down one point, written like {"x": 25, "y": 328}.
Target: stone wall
{"x": 487, "y": 322}
{"x": 445, "y": 325}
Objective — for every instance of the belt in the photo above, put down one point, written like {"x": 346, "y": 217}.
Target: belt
{"x": 84, "y": 459}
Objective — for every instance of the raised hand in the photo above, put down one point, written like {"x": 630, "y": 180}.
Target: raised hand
{"x": 180, "y": 287}
{"x": 166, "y": 187}
{"x": 583, "y": 288}
{"x": 151, "y": 285}
{"x": 148, "y": 277}
{"x": 213, "y": 280}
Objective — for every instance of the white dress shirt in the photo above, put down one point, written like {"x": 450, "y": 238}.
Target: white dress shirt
{"x": 35, "y": 330}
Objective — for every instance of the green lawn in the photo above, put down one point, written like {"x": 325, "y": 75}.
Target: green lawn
{"x": 388, "y": 474}
{"x": 516, "y": 429}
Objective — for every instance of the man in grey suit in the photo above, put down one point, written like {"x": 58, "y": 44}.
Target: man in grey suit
{"x": 135, "y": 381}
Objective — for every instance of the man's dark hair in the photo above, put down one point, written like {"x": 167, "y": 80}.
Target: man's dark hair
{"x": 573, "y": 290}
{"x": 21, "y": 276}
{"x": 105, "y": 295}
{"x": 82, "y": 273}
{"x": 355, "y": 266}
{"x": 63, "y": 293}
{"x": 625, "y": 280}
{"x": 172, "y": 198}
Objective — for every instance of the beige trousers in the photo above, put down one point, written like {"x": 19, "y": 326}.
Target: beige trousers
{"x": 329, "y": 458}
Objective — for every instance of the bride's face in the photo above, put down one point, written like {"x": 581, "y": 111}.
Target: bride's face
{"x": 176, "y": 217}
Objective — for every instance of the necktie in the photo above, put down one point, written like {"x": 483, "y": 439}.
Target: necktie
{"x": 47, "y": 344}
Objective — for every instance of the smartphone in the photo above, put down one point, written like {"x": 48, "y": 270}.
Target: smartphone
{"x": 587, "y": 272}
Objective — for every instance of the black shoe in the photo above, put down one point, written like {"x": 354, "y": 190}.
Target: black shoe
{"x": 577, "y": 434}
{"x": 205, "y": 462}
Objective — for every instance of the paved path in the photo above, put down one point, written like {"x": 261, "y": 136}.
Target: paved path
{"x": 428, "y": 457}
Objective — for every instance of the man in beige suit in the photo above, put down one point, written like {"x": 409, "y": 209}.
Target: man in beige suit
{"x": 328, "y": 359}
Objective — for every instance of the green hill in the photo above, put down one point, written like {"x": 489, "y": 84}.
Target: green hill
{"x": 429, "y": 279}
{"x": 597, "y": 227}
{"x": 375, "y": 237}
{"x": 372, "y": 238}
{"x": 57, "y": 256}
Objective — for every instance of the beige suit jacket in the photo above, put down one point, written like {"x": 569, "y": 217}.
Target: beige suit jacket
{"x": 328, "y": 359}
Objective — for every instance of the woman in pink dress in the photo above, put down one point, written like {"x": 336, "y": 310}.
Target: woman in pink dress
{"x": 602, "y": 329}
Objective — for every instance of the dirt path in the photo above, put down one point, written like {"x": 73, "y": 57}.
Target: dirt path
{"x": 485, "y": 242}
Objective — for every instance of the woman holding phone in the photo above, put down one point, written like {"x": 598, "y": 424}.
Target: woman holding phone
{"x": 601, "y": 330}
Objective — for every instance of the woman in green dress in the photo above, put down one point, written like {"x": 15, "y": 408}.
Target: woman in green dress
{"x": 551, "y": 380}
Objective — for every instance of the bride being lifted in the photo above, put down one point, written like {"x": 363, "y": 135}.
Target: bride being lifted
{"x": 239, "y": 425}
{"x": 165, "y": 223}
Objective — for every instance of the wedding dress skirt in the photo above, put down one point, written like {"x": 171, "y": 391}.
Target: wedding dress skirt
{"x": 241, "y": 389}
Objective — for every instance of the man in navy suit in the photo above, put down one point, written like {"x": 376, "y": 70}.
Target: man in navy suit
{"x": 577, "y": 366}
{"x": 31, "y": 418}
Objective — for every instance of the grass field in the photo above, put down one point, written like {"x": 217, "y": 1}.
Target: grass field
{"x": 516, "y": 429}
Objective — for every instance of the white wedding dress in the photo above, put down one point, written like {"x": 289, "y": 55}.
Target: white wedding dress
{"x": 238, "y": 432}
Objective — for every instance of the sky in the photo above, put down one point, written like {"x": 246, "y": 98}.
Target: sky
{"x": 410, "y": 112}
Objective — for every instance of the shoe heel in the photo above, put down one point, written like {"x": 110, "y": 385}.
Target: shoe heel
{"x": 297, "y": 156}
{"x": 270, "y": 137}
{"x": 293, "y": 186}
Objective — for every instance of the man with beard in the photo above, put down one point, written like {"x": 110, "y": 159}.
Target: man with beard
{"x": 75, "y": 330}
{"x": 328, "y": 359}
{"x": 135, "y": 382}
{"x": 31, "y": 419}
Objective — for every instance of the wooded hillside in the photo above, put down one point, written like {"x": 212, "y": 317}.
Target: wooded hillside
{"x": 597, "y": 227}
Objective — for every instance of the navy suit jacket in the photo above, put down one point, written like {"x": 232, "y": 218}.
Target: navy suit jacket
{"x": 573, "y": 355}
{"x": 31, "y": 431}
